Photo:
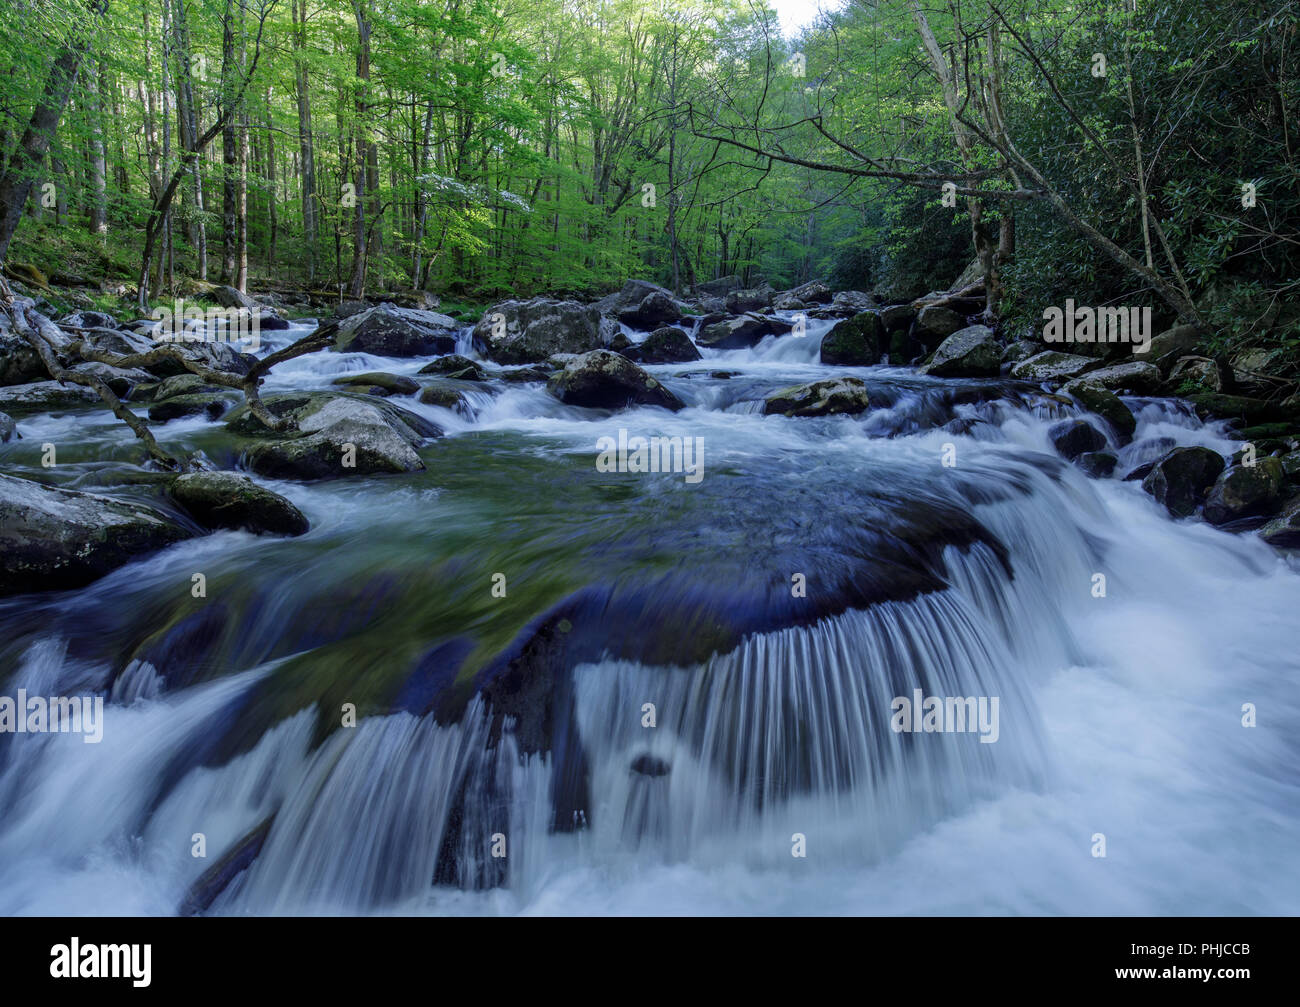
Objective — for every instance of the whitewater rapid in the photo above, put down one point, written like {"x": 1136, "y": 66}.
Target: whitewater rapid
{"x": 1121, "y": 715}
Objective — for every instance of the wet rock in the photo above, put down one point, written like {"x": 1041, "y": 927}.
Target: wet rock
{"x": 389, "y": 331}
{"x": 1072, "y": 438}
{"x": 854, "y": 342}
{"x": 337, "y": 435}
{"x": 751, "y": 299}
{"x": 1246, "y": 491}
{"x": 229, "y": 500}
{"x": 444, "y": 398}
{"x": 603, "y": 379}
{"x": 655, "y": 309}
{"x": 646, "y": 764}
{"x": 1097, "y": 464}
{"x": 897, "y": 316}
{"x": 1182, "y": 479}
{"x": 971, "y": 352}
{"x": 177, "y": 406}
{"x": 1283, "y": 531}
{"x": 1247, "y": 410}
{"x": 44, "y": 397}
{"x": 939, "y": 322}
{"x": 8, "y": 429}
{"x": 455, "y": 366}
{"x": 213, "y": 881}
{"x": 531, "y": 331}
{"x": 182, "y": 384}
{"x": 1053, "y": 365}
{"x": 229, "y": 297}
{"x": 1134, "y": 377}
{"x": 734, "y": 333}
{"x": 122, "y": 381}
{"x": 55, "y": 539}
{"x": 379, "y": 383}
{"x": 666, "y": 345}
{"x": 820, "y": 398}
{"x": 1108, "y": 406}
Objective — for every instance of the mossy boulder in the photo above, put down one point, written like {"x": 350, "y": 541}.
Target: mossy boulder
{"x": 603, "y": 379}
{"x": 229, "y": 500}
{"x": 1244, "y": 491}
{"x": 971, "y": 352}
{"x": 666, "y": 345}
{"x": 819, "y": 398}
{"x": 526, "y": 332}
{"x": 1108, "y": 406}
{"x": 379, "y": 383}
{"x": 1182, "y": 478}
{"x": 855, "y": 342}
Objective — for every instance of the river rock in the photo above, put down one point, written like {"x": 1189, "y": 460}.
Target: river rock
{"x": 1196, "y": 371}
{"x": 655, "y": 309}
{"x": 819, "y": 398}
{"x": 229, "y": 500}
{"x": 376, "y": 435}
{"x": 389, "y": 331}
{"x": 603, "y": 379}
{"x": 379, "y": 383}
{"x": 455, "y": 366}
{"x": 1097, "y": 464}
{"x": 1182, "y": 478}
{"x": 938, "y": 322}
{"x": 533, "y": 330}
{"x": 211, "y": 406}
{"x": 734, "y": 333}
{"x": 1246, "y": 491}
{"x": 1072, "y": 438}
{"x": 1053, "y": 365}
{"x": 54, "y": 538}
{"x": 1134, "y": 377}
{"x": 971, "y": 352}
{"x": 44, "y": 397}
{"x": 230, "y": 297}
{"x": 750, "y": 299}
{"x": 667, "y": 345}
{"x": 1168, "y": 347}
{"x": 1108, "y": 406}
{"x": 182, "y": 384}
{"x": 854, "y": 342}
{"x": 8, "y": 429}
{"x": 1283, "y": 531}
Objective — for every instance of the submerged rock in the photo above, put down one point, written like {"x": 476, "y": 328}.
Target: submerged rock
{"x": 603, "y": 379}
{"x": 819, "y": 398}
{"x": 54, "y": 538}
{"x": 1181, "y": 479}
{"x": 229, "y": 500}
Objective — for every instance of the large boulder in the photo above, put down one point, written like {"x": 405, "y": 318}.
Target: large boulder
{"x": 1168, "y": 347}
{"x": 55, "y": 538}
{"x": 1245, "y": 491}
{"x": 603, "y": 379}
{"x": 851, "y": 302}
{"x": 720, "y": 287}
{"x": 527, "y": 332}
{"x": 819, "y": 398}
{"x": 1053, "y": 365}
{"x": 657, "y": 308}
{"x": 666, "y": 345}
{"x": 389, "y": 331}
{"x": 812, "y": 292}
{"x": 938, "y": 322}
{"x": 336, "y": 435}
{"x": 229, "y": 500}
{"x": 897, "y": 316}
{"x": 854, "y": 342}
{"x": 972, "y": 352}
{"x": 734, "y": 333}
{"x": 230, "y": 297}
{"x": 1134, "y": 377}
{"x": 1182, "y": 478}
{"x": 749, "y": 299}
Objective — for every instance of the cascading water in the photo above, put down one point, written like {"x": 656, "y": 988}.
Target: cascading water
{"x": 651, "y": 715}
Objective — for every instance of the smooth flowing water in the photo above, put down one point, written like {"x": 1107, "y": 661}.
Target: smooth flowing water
{"x": 518, "y": 724}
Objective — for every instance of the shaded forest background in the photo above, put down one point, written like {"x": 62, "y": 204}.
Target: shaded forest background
{"x": 1116, "y": 153}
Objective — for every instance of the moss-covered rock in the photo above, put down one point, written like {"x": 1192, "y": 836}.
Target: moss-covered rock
{"x": 855, "y": 342}
{"x": 379, "y": 383}
{"x": 1108, "y": 406}
{"x": 1246, "y": 491}
{"x": 229, "y": 500}
{"x": 603, "y": 379}
{"x": 820, "y": 398}
{"x": 1182, "y": 478}
{"x": 971, "y": 352}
